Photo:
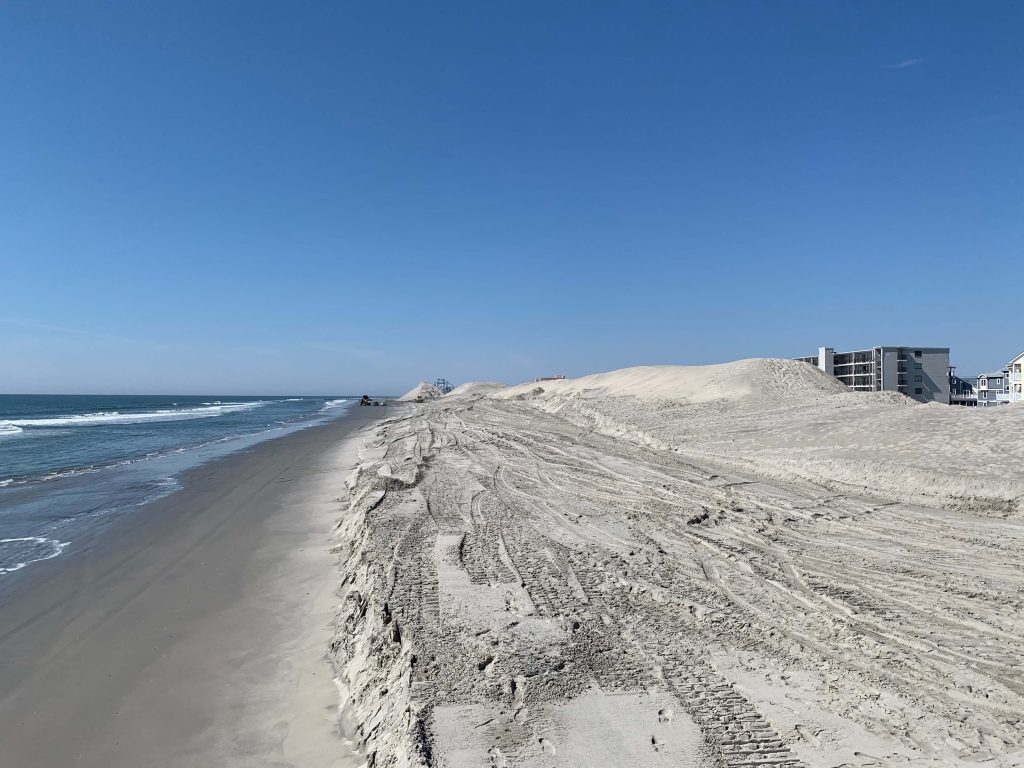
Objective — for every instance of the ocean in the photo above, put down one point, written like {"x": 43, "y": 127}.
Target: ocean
{"x": 71, "y": 463}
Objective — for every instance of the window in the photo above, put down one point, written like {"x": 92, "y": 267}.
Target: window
{"x": 917, "y": 390}
{"x": 917, "y": 366}
{"x": 917, "y": 353}
{"x": 917, "y": 378}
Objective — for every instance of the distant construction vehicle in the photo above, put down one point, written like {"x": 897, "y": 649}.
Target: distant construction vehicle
{"x": 444, "y": 386}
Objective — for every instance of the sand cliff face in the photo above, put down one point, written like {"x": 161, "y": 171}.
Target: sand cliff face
{"x": 373, "y": 660}
{"x": 591, "y": 576}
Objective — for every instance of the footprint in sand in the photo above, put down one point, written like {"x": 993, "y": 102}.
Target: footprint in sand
{"x": 807, "y": 735}
{"x": 517, "y": 685}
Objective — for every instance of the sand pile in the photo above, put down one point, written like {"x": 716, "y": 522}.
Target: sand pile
{"x": 787, "y": 420}
{"x": 757, "y": 378}
{"x": 422, "y": 391}
{"x": 687, "y": 579}
{"x": 477, "y": 388}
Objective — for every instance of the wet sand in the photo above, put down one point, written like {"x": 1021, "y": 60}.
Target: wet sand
{"x": 194, "y": 632}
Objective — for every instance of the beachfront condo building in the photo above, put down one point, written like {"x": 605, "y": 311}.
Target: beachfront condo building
{"x": 921, "y": 373}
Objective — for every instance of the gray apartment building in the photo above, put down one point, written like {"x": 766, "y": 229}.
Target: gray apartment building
{"x": 921, "y": 373}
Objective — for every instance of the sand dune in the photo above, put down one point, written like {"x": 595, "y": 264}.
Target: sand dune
{"x": 477, "y": 388}
{"x": 740, "y": 565}
{"x": 422, "y": 391}
{"x": 787, "y": 420}
{"x": 744, "y": 379}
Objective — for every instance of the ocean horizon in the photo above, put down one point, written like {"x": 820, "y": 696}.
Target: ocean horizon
{"x": 71, "y": 464}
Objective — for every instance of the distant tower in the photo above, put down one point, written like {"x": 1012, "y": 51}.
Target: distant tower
{"x": 444, "y": 385}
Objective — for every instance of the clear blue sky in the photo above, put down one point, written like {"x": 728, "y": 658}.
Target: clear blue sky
{"x": 334, "y": 197}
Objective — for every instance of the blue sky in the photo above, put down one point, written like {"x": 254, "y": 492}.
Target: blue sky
{"x": 332, "y": 197}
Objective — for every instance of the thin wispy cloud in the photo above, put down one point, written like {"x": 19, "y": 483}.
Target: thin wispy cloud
{"x": 63, "y": 329}
{"x": 350, "y": 350}
{"x": 904, "y": 64}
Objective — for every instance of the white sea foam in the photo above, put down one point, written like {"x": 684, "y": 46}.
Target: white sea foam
{"x": 8, "y": 428}
{"x": 332, "y": 404}
{"x": 294, "y": 399}
{"x": 44, "y": 548}
{"x": 115, "y": 417}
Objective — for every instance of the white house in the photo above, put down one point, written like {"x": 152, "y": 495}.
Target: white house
{"x": 1016, "y": 379}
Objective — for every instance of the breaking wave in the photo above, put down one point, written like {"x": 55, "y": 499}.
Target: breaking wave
{"x": 15, "y": 554}
{"x": 114, "y": 417}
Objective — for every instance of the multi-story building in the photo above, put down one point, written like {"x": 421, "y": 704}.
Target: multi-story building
{"x": 921, "y": 373}
{"x": 994, "y": 388}
{"x": 1016, "y": 378}
{"x": 962, "y": 391}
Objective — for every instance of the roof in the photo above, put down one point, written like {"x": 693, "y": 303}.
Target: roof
{"x": 910, "y": 347}
{"x": 994, "y": 374}
{"x": 1019, "y": 357}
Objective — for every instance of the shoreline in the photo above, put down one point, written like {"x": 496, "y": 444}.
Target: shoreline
{"x": 59, "y": 493}
{"x": 196, "y": 632}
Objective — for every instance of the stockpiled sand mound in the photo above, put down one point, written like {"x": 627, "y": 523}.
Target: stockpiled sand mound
{"x": 732, "y": 566}
{"x": 477, "y": 388}
{"x": 422, "y": 391}
{"x": 757, "y": 378}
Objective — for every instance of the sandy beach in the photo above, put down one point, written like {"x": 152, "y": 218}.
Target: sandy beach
{"x": 734, "y": 565}
{"x": 194, "y": 632}
{"x": 707, "y": 317}
{"x": 718, "y": 567}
